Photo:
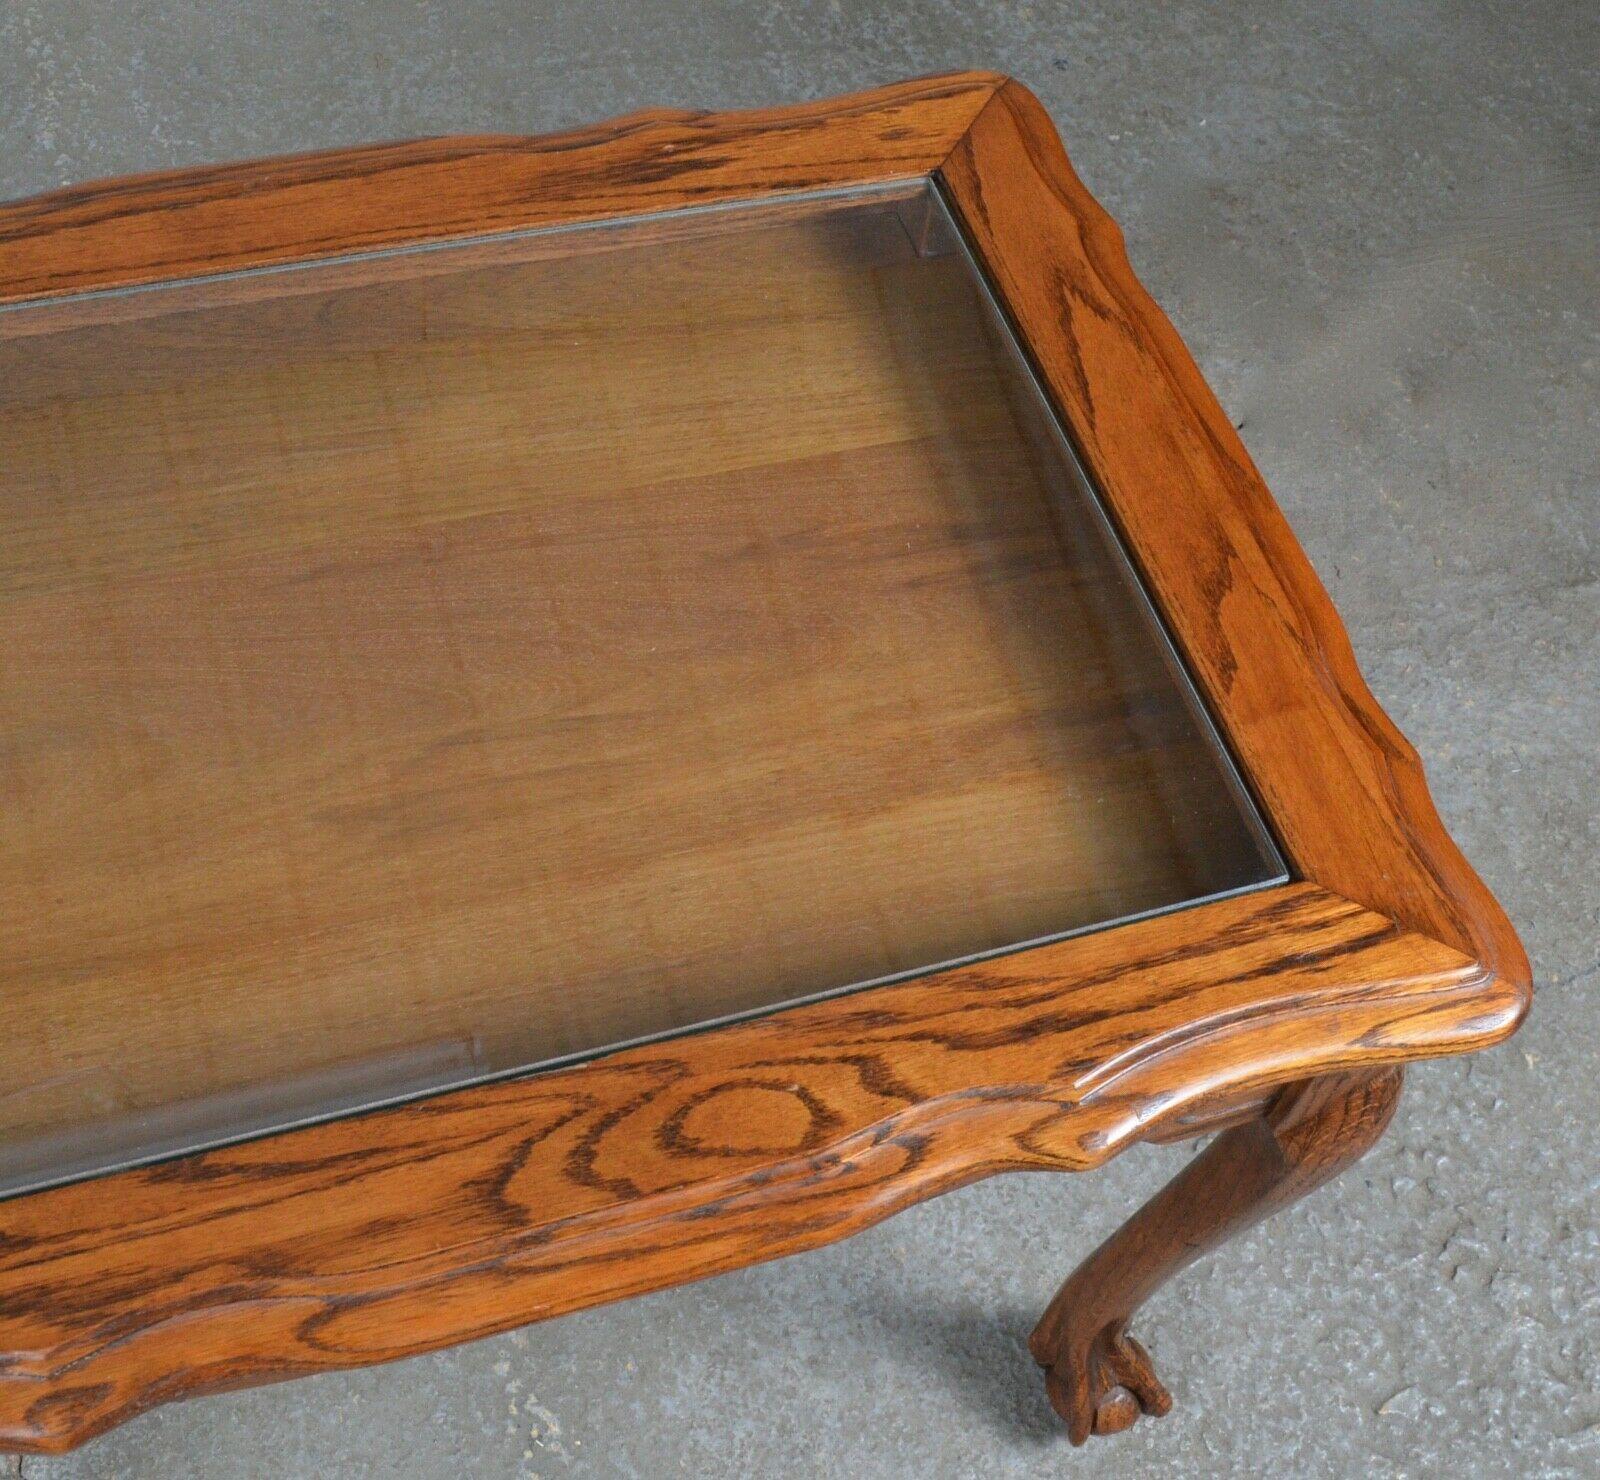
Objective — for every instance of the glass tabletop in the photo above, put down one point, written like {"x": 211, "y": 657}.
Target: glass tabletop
{"x": 430, "y": 665}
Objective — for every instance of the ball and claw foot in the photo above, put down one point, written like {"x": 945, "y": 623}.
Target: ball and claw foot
{"x": 1099, "y": 1385}
{"x": 1098, "y": 1377}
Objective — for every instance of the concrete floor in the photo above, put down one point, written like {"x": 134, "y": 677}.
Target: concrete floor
{"x": 1377, "y": 233}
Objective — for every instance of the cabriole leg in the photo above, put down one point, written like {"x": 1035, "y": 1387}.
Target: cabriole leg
{"x": 1098, "y": 1377}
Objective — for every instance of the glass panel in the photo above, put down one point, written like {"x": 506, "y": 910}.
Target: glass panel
{"x": 427, "y": 665}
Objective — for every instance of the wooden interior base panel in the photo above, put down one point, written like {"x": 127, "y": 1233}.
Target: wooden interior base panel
{"x": 420, "y": 677}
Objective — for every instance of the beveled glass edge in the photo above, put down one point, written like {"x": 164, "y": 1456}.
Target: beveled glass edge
{"x": 1250, "y": 809}
{"x": 590, "y": 1055}
{"x": 898, "y": 186}
{"x": 1252, "y": 814}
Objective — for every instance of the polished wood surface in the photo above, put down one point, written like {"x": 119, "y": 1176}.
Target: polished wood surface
{"x": 1343, "y": 788}
{"x": 381, "y": 1235}
{"x": 181, "y": 223}
{"x": 1100, "y": 1379}
{"x": 443, "y": 674}
{"x": 399, "y": 1231}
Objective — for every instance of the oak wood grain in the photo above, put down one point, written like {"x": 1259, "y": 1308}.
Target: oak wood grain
{"x": 112, "y": 233}
{"x": 1344, "y": 788}
{"x": 374, "y": 1237}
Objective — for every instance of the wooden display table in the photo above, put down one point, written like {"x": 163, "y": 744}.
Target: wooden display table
{"x": 582, "y": 712}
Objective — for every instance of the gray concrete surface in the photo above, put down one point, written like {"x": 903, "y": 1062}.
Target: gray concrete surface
{"x": 1376, "y": 227}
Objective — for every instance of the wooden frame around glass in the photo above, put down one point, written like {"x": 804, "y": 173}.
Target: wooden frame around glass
{"x": 1280, "y": 1017}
